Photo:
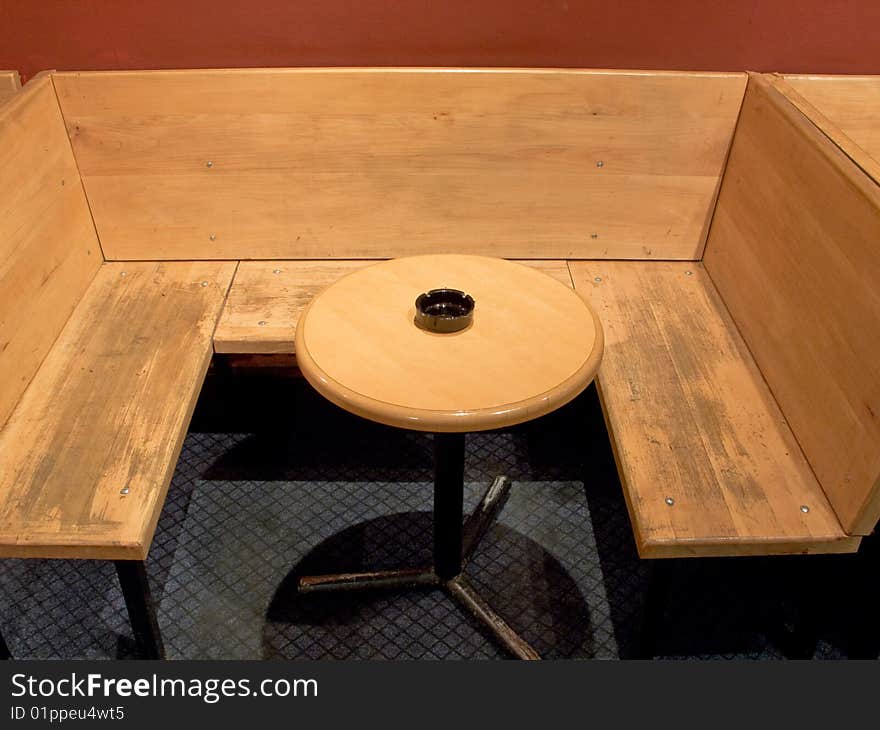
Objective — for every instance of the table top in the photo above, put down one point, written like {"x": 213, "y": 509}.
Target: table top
{"x": 534, "y": 344}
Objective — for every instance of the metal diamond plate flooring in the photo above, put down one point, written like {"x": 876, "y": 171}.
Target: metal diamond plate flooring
{"x": 318, "y": 490}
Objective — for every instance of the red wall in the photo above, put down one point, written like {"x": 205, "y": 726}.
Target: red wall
{"x": 840, "y": 36}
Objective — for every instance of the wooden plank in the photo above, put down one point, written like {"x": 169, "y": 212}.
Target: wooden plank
{"x": 107, "y": 412}
{"x": 48, "y": 248}
{"x": 850, "y": 103}
{"x": 10, "y": 83}
{"x": 267, "y": 298}
{"x": 692, "y": 420}
{"x": 275, "y": 293}
{"x": 793, "y": 251}
{"x": 375, "y": 163}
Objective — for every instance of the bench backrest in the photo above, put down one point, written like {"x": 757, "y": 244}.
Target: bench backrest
{"x": 48, "y": 248}
{"x": 852, "y": 103}
{"x": 367, "y": 163}
{"x": 794, "y": 249}
{"x": 10, "y": 83}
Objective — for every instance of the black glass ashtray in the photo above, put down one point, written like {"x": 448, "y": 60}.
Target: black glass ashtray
{"x": 444, "y": 310}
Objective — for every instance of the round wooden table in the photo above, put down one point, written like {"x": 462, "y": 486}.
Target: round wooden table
{"x": 533, "y": 346}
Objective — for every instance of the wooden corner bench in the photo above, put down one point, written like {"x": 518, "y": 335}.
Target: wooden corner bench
{"x": 150, "y": 219}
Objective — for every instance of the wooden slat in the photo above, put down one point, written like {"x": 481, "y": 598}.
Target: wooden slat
{"x": 851, "y": 103}
{"x": 276, "y": 292}
{"x": 259, "y": 294}
{"x": 375, "y": 163}
{"x": 48, "y": 248}
{"x": 107, "y": 412}
{"x": 10, "y": 83}
{"x": 794, "y": 252}
{"x": 692, "y": 419}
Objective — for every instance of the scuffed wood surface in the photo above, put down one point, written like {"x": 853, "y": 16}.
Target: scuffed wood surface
{"x": 795, "y": 253}
{"x": 692, "y": 420}
{"x": 107, "y": 412}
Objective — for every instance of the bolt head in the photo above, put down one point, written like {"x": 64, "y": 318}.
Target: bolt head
{"x": 262, "y": 323}
{"x": 204, "y": 283}
{"x": 805, "y": 508}
{"x": 212, "y": 237}
{"x": 670, "y": 501}
{"x": 597, "y": 279}
{"x": 600, "y": 163}
{"x": 123, "y": 491}
{"x": 210, "y": 163}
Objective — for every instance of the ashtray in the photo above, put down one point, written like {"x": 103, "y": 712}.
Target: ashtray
{"x": 444, "y": 310}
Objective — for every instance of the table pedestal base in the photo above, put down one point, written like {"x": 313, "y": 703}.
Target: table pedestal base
{"x": 453, "y": 546}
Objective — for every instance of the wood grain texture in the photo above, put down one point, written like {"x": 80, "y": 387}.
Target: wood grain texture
{"x": 108, "y": 411}
{"x": 794, "y": 252}
{"x": 377, "y": 163}
{"x": 852, "y": 103}
{"x": 48, "y": 248}
{"x": 532, "y": 347}
{"x": 691, "y": 419}
{"x": 830, "y": 129}
{"x": 267, "y": 298}
{"x": 10, "y": 83}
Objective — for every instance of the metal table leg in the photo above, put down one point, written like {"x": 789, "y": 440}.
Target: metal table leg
{"x": 448, "y": 503}
{"x": 453, "y": 545}
{"x": 141, "y": 608}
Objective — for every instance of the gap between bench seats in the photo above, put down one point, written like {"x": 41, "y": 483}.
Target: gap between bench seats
{"x": 267, "y": 298}
{"x": 692, "y": 420}
{"x": 88, "y": 453}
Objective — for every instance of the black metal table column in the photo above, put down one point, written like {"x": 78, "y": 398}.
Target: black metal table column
{"x": 453, "y": 545}
{"x": 448, "y": 504}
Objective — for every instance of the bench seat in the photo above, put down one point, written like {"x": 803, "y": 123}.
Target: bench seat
{"x": 267, "y": 298}
{"x": 88, "y": 452}
{"x": 693, "y": 422}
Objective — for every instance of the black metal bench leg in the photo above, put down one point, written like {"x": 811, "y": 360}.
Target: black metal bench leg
{"x": 656, "y": 600}
{"x": 864, "y": 630}
{"x": 800, "y": 640}
{"x": 141, "y": 608}
{"x": 4, "y": 649}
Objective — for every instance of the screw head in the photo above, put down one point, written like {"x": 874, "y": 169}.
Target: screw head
{"x": 276, "y": 271}
{"x": 688, "y": 273}
{"x": 600, "y": 163}
{"x": 212, "y": 237}
{"x": 670, "y": 501}
{"x": 262, "y": 323}
{"x": 805, "y": 508}
{"x": 123, "y": 491}
{"x": 204, "y": 283}
{"x": 210, "y": 163}
{"x": 594, "y": 235}
{"x": 597, "y": 279}
{"x": 123, "y": 273}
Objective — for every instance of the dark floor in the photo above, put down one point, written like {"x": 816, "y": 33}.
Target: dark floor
{"x": 273, "y": 481}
